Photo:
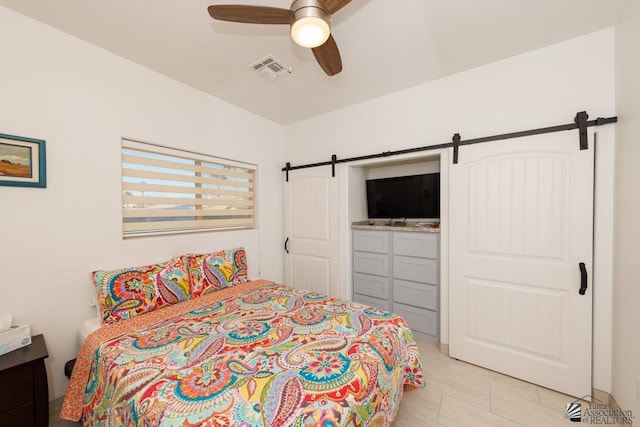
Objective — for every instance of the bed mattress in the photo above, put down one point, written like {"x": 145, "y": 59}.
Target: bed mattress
{"x": 253, "y": 355}
{"x": 87, "y": 327}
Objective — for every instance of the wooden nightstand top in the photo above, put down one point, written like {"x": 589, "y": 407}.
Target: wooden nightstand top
{"x": 34, "y": 351}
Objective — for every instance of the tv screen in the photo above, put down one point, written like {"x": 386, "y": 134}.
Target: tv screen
{"x": 415, "y": 196}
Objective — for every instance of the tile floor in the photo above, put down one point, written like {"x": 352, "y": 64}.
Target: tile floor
{"x": 54, "y": 415}
{"x": 460, "y": 394}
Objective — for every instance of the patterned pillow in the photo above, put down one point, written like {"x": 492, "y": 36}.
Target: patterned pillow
{"x": 218, "y": 270}
{"x": 173, "y": 281}
{"x": 127, "y": 292}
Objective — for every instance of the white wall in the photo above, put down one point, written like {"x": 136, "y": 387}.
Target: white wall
{"x": 541, "y": 88}
{"x": 82, "y": 100}
{"x": 626, "y": 296}
{"x": 378, "y": 171}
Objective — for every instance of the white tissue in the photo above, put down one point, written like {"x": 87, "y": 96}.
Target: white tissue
{"x": 6, "y": 320}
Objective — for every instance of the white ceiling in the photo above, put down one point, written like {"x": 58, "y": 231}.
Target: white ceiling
{"x": 385, "y": 45}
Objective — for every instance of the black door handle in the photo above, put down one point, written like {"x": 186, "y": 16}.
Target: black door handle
{"x": 285, "y": 245}
{"x": 583, "y": 278}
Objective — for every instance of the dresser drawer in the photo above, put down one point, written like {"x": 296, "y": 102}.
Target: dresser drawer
{"x": 21, "y": 416}
{"x": 419, "y": 319}
{"x": 16, "y": 387}
{"x": 374, "y": 286}
{"x": 416, "y": 294}
{"x": 365, "y": 262}
{"x": 371, "y": 241}
{"x": 415, "y": 269}
{"x": 378, "y": 303}
{"x": 422, "y": 245}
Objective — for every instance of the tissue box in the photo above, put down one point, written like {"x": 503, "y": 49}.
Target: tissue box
{"x": 15, "y": 338}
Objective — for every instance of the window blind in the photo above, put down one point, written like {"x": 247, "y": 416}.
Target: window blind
{"x": 167, "y": 190}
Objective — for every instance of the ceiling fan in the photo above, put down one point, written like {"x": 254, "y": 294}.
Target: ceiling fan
{"x": 310, "y": 22}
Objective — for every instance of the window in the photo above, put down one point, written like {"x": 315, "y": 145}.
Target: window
{"x": 172, "y": 191}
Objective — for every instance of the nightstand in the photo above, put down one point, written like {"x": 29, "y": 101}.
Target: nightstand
{"x": 24, "y": 393}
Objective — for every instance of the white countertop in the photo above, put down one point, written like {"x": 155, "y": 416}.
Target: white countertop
{"x": 411, "y": 226}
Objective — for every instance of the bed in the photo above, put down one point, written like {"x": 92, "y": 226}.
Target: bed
{"x": 252, "y": 354}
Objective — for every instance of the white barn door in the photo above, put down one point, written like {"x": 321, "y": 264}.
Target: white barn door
{"x": 521, "y": 222}
{"x": 311, "y": 227}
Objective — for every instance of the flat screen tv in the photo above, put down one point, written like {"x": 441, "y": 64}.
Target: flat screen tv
{"x": 415, "y": 196}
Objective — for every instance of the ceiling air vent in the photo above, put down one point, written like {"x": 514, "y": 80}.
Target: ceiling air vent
{"x": 270, "y": 68}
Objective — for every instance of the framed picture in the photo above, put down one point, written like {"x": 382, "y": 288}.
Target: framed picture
{"x": 22, "y": 162}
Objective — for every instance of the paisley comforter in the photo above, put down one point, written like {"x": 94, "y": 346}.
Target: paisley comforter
{"x": 253, "y": 355}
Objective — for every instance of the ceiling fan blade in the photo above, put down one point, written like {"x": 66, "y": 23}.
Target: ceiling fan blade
{"x": 250, "y": 14}
{"x": 328, "y": 56}
{"x": 333, "y": 6}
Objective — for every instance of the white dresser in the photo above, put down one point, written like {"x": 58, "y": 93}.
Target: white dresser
{"x": 398, "y": 271}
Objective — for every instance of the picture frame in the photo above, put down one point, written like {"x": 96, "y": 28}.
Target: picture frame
{"x": 22, "y": 162}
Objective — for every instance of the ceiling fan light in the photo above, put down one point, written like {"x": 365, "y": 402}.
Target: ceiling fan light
{"x": 310, "y": 31}
{"x": 311, "y": 23}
